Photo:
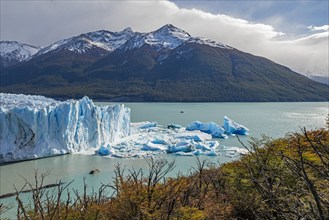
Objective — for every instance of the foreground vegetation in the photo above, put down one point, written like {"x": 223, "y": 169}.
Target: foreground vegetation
{"x": 286, "y": 178}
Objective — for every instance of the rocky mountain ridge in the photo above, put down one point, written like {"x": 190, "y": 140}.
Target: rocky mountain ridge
{"x": 167, "y": 64}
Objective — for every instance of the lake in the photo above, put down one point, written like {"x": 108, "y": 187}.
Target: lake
{"x": 272, "y": 119}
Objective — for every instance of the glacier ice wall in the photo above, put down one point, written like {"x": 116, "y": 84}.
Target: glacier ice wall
{"x": 34, "y": 126}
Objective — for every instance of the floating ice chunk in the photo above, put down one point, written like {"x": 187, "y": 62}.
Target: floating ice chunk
{"x": 193, "y": 135}
{"x": 232, "y": 127}
{"x": 203, "y": 147}
{"x": 182, "y": 146}
{"x": 148, "y": 125}
{"x": 233, "y": 151}
{"x": 211, "y": 153}
{"x": 103, "y": 151}
{"x": 197, "y": 152}
{"x": 212, "y": 144}
{"x": 117, "y": 156}
{"x": 210, "y": 128}
{"x": 120, "y": 146}
{"x": 207, "y": 145}
{"x": 159, "y": 141}
{"x": 231, "y": 154}
{"x": 106, "y": 150}
{"x": 236, "y": 150}
{"x": 194, "y": 126}
{"x": 149, "y": 146}
{"x": 190, "y": 154}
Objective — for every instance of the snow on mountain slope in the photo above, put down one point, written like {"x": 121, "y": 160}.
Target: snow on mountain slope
{"x": 205, "y": 41}
{"x": 35, "y": 127}
{"x": 105, "y": 40}
{"x": 167, "y": 37}
{"x": 12, "y": 52}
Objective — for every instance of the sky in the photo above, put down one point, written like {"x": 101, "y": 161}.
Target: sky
{"x": 294, "y": 33}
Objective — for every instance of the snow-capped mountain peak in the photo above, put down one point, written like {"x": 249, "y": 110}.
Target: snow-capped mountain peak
{"x": 128, "y": 30}
{"x": 102, "y": 42}
{"x": 105, "y": 40}
{"x": 172, "y": 31}
{"x": 14, "y": 52}
{"x": 166, "y": 37}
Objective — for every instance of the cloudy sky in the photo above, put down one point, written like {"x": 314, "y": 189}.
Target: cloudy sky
{"x": 291, "y": 32}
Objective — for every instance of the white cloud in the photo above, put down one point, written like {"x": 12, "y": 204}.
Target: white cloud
{"x": 307, "y": 55}
{"x": 44, "y": 22}
{"x": 318, "y": 28}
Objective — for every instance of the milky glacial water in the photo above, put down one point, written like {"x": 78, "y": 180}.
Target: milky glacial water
{"x": 272, "y": 119}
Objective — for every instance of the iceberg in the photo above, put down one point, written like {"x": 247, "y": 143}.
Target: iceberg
{"x": 195, "y": 136}
{"x": 203, "y": 147}
{"x": 212, "y": 128}
{"x": 189, "y": 154}
{"x": 159, "y": 141}
{"x": 35, "y": 126}
{"x": 238, "y": 150}
{"x": 211, "y": 153}
{"x": 150, "y": 146}
{"x": 231, "y": 127}
{"x": 182, "y": 146}
{"x": 147, "y": 124}
{"x": 105, "y": 150}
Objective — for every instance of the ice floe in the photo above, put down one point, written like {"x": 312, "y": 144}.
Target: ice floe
{"x": 150, "y": 139}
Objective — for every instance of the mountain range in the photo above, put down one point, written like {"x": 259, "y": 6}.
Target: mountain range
{"x": 167, "y": 64}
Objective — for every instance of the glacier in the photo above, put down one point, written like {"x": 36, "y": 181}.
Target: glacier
{"x": 35, "y": 126}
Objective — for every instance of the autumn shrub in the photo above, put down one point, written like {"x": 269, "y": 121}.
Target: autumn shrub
{"x": 286, "y": 178}
{"x": 283, "y": 179}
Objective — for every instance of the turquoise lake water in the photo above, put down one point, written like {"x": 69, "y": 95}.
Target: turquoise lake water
{"x": 272, "y": 119}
